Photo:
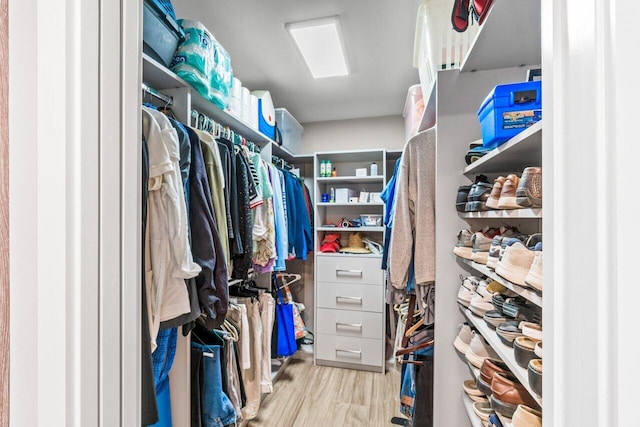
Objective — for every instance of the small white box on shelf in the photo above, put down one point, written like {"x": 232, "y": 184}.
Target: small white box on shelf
{"x": 353, "y": 200}
{"x": 364, "y": 197}
{"x": 361, "y": 172}
{"x": 343, "y": 194}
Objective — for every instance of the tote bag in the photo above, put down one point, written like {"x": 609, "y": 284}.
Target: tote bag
{"x": 287, "y": 345}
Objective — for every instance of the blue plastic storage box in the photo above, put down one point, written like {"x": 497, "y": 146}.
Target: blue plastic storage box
{"x": 161, "y": 34}
{"x": 508, "y": 110}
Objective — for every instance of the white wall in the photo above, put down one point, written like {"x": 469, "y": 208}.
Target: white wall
{"x": 377, "y": 132}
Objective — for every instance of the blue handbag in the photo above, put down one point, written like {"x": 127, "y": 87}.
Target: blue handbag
{"x": 287, "y": 345}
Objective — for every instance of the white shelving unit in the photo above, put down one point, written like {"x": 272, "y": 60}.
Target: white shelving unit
{"x": 535, "y": 213}
{"x": 349, "y": 287}
{"x": 524, "y": 149}
{"x": 505, "y": 46}
{"x": 510, "y": 36}
{"x": 504, "y": 351}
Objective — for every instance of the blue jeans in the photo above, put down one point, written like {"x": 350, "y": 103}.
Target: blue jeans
{"x": 162, "y": 361}
{"x": 217, "y": 410}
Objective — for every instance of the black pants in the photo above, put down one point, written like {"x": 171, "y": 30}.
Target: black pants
{"x": 423, "y": 404}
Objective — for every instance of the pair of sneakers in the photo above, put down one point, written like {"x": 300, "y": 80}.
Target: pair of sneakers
{"x": 521, "y": 262}
{"x": 514, "y": 192}
{"x": 475, "y": 246}
{"x": 473, "y": 198}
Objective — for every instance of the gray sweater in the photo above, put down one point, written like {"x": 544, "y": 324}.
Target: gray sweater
{"x": 414, "y": 217}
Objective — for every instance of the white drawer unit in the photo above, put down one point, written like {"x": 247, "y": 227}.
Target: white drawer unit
{"x": 359, "y": 324}
{"x": 349, "y": 293}
{"x": 348, "y": 296}
{"x": 349, "y": 269}
{"x": 349, "y": 350}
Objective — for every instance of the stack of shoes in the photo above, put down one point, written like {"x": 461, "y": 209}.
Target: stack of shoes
{"x": 509, "y": 331}
{"x": 478, "y": 351}
{"x": 507, "y": 393}
{"x": 467, "y": 290}
{"x": 467, "y": 242}
{"x": 481, "y": 300}
{"x": 482, "y": 242}
{"x": 463, "y": 247}
{"x": 483, "y": 411}
{"x": 523, "y": 350}
{"x": 514, "y": 192}
{"x": 525, "y": 416}
{"x": 487, "y": 370}
{"x": 471, "y": 389}
{"x": 472, "y": 198}
{"x": 477, "y": 198}
{"x": 462, "y": 340}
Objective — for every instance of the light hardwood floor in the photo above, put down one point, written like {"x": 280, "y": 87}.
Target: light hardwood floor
{"x": 318, "y": 396}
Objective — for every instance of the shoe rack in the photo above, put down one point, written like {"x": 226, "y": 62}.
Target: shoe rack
{"x": 502, "y": 45}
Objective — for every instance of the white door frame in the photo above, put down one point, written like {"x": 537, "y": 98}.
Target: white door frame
{"x": 74, "y": 212}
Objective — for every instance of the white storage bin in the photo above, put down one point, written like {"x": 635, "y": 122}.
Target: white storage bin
{"x": 291, "y": 130}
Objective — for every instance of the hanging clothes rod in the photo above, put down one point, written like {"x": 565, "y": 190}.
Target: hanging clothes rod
{"x": 151, "y": 91}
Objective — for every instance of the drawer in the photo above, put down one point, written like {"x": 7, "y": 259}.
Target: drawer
{"x": 363, "y": 351}
{"x": 344, "y": 323}
{"x": 350, "y": 296}
{"x": 349, "y": 269}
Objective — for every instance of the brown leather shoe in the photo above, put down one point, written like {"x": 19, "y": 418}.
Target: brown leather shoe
{"x": 494, "y": 197}
{"x": 507, "y": 393}
{"x": 529, "y": 192}
{"x": 488, "y": 369}
{"x": 508, "y": 193}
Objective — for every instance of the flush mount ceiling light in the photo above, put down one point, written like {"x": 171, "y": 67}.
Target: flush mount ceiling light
{"x": 321, "y": 45}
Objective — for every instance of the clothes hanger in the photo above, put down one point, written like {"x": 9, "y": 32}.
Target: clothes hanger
{"x": 283, "y": 276}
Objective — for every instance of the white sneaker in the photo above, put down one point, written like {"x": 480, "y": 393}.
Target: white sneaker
{"x": 482, "y": 301}
{"x": 479, "y": 350}
{"x": 467, "y": 290}
{"x": 461, "y": 343}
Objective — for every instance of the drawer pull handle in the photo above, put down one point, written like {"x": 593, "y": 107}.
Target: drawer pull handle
{"x": 351, "y": 325}
{"x": 349, "y": 273}
{"x": 358, "y": 352}
{"x": 355, "y": 299}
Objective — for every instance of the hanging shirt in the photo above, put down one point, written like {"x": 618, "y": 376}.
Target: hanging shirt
{"x": 242, "y": 262}
{"x": 280, "y": 225}
{"x": 215, "y": 174}
{"x": 388, "y": 196}
{"x": 168, "y": 256}
{"x": 263, "y": 218}
{"x": 212, "y": 282}
{"x": 299, "y": 227}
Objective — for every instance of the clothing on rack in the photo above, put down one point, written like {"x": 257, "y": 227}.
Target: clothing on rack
{"x": 413, "y": 230}
{"x": 168, "y": 259}
{"x": 242, "y": 261}
{"x": 213, "y": 279}
{"x": 298, "y": 219}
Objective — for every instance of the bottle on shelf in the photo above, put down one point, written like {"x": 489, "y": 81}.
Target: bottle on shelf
{"x": 334, "y": 172}
{"x": 332, "y": 198}
{"x": 328, "y": 168}
{"x": 323, "y": 168}
{"x": 374, "y": 169}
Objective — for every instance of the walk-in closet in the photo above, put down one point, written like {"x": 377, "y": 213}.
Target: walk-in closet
{"x": 310, "y": 214}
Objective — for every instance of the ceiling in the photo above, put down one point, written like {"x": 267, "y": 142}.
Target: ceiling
{"x": 378, "y": 36}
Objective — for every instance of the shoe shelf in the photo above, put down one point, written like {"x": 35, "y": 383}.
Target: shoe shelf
{"x": 350, "y": 229}
{"x": 521, "y": 151}
{"x": 468, "y": 406}
{"x": 510, "y": 36}
{"x": 504, "y": 352}
{"x": 524, "y": 292}
{"x": 535, "y": 213}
